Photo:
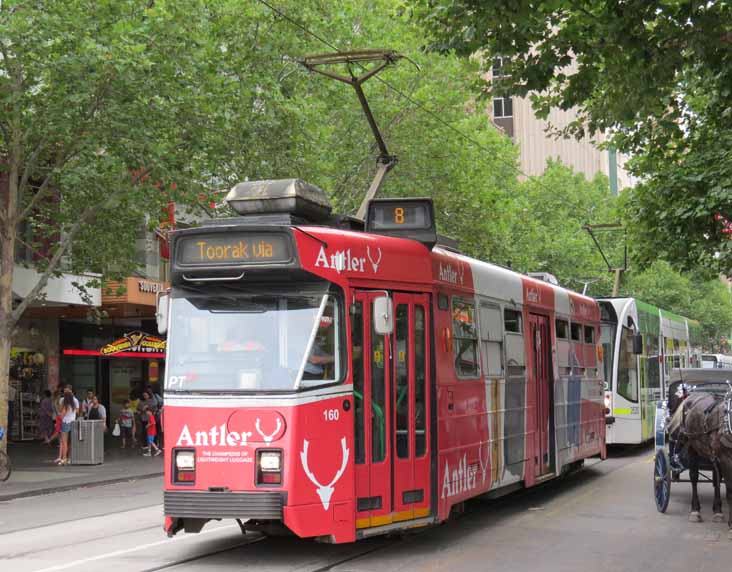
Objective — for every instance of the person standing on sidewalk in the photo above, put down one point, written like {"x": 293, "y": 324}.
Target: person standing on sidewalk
{"x": 126, "y": 422}
{"x": 46, "y": 417}
{"x": 86, "y": 404}
{"x": 68, "y": 411}
{"x": 97, "y": 412}
{"x": 149, "y": 402}
{"x": 151, "y": 429}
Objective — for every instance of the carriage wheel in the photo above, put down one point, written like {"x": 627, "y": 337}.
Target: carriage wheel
{"x": 661, "y": 480}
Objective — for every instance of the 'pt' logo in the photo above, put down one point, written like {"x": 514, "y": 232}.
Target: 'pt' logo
{"x": 325, "y": 492}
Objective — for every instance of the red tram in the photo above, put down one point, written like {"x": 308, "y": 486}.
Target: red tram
{"x": 341, "y": 382}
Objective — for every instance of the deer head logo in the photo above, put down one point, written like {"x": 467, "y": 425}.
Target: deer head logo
{"x": 267, "y": 438}
{"x": 325, "y": 492}
{"x": 374, "y": 263}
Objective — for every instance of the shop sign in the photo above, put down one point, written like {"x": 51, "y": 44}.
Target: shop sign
{"x": 149, "y": 287}
{"x": 135, "y": 342}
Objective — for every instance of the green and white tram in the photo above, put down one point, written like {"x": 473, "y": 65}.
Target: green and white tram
{"x": 641, "y": 345}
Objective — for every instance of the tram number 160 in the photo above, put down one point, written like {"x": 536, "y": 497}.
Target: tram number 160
{"x": 331, "y": 414}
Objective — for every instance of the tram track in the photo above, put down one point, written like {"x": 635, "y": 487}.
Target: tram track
{"x": 324, "y": 568}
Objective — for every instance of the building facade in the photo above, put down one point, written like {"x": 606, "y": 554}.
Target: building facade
{"x": 537, "y": 145}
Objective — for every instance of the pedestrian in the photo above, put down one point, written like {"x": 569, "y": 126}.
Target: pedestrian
{"x": 151, "y": 430}
{"x": 126, "y": 422}
{"x": 86, "y": 404}
{"x": 97, "y": 412}
{"x": 69, "y": 408}
{"x": 158, "y": 412}
{"x": 57, "y": 401}
{"x": 148, "y": 401}
{"x": 46, "y": 417}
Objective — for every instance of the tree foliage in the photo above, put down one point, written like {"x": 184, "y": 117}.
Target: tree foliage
{"x": 654, "y": 74}
{"x": 707, "y": 300}
{"x": 547, "y": 233}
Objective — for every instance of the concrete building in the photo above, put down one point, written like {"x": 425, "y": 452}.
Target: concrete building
{"x": 537, "y": 145}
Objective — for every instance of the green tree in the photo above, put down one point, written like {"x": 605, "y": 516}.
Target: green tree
{"x": 108, "y": 111}
{"x": 655, "y": 74}
{"x": 547, "y": 233}
{"x": 694, "y": 296}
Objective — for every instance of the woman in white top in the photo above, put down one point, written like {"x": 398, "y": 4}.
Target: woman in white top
{"x": 69, "y": 405}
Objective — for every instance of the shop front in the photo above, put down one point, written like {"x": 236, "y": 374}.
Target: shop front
{"x": 118, "y": 370}
{"x": 120, "y": 356}
{"x": 34, "y": 367}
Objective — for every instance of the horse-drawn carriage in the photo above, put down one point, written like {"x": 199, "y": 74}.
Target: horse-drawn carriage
{"x": 693, "y": 433}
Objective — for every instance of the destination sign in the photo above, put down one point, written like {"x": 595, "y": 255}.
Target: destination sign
{"x": 233, "y": 249}
{"x": 406, "y": 218}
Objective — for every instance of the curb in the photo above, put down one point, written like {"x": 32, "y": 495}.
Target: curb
{"x": 64, "y": 488}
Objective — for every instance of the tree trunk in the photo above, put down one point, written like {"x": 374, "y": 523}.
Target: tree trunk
{"x": 8, "y": 229}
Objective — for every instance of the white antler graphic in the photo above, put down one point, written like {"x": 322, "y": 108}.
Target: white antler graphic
{"x": 325, "y": 492}
{"x": 268, "y": 438}
{"x": 374, "y": 263}
{"x": 484, "y": 466}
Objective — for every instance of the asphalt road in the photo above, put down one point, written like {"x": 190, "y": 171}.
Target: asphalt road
{"x": 601, "y": 518}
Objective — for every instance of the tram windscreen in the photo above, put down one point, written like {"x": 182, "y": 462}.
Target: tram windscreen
{"x": 268, "y": 341}
{"x": 607, "y": 339}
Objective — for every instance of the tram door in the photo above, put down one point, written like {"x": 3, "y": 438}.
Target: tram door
{"x": 541, "y": 345}
{"x": 390, "y": 375}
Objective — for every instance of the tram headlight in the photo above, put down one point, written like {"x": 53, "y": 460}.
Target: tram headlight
{"x": 608, "y": 402}
{"x": 269, "y": 468}
{"x": 270, "y": 461}
{"x": 184, "y": 466}
{"x": 185, "y": 460}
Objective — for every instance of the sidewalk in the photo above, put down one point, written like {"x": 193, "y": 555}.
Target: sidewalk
{"x": 34, "y": 472}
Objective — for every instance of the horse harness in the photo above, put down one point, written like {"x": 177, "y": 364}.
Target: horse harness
{"x": 723, "y": 428}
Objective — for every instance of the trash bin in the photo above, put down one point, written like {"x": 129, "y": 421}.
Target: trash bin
{"x": 87, "y": 442}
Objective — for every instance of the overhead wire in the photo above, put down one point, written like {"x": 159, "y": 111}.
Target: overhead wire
{"x": 399, "y": 92}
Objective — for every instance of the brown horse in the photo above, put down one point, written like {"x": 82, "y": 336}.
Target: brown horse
{"x": 703, "y": 425}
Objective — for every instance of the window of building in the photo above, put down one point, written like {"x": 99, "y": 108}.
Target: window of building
{"x": 562, "y": 329}
{"x": 465, "y": 338}
{"x": 512, "y": 320}
{"x": 497, "y": 69}
{"x": 502, "y": 107}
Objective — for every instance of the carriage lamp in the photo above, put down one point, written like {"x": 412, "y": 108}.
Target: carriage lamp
{"x": 185, "y": 466}
{"x": 269, "y": 467}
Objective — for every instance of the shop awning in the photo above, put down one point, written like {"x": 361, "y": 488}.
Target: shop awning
{"x": 92, "y": 353}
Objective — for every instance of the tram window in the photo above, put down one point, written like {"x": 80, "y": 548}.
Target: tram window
{"x": 465, "y": 338}
{"x": 420, "y": 382}
{"x": 576, "y": 331}
{"x": 491, "y": 340}
{"x": 255, "y": 340}
{"x": 653, "y": 371}
{"x": 627, "y": 368}
{"x": 401, "y": 367}
{"x": 357, "y": 353}
{"x": 562, "y": 329}
{"x": 378, "y": 398}
{"x": 513, "y": 321}
{"x": 589, "y": 335}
